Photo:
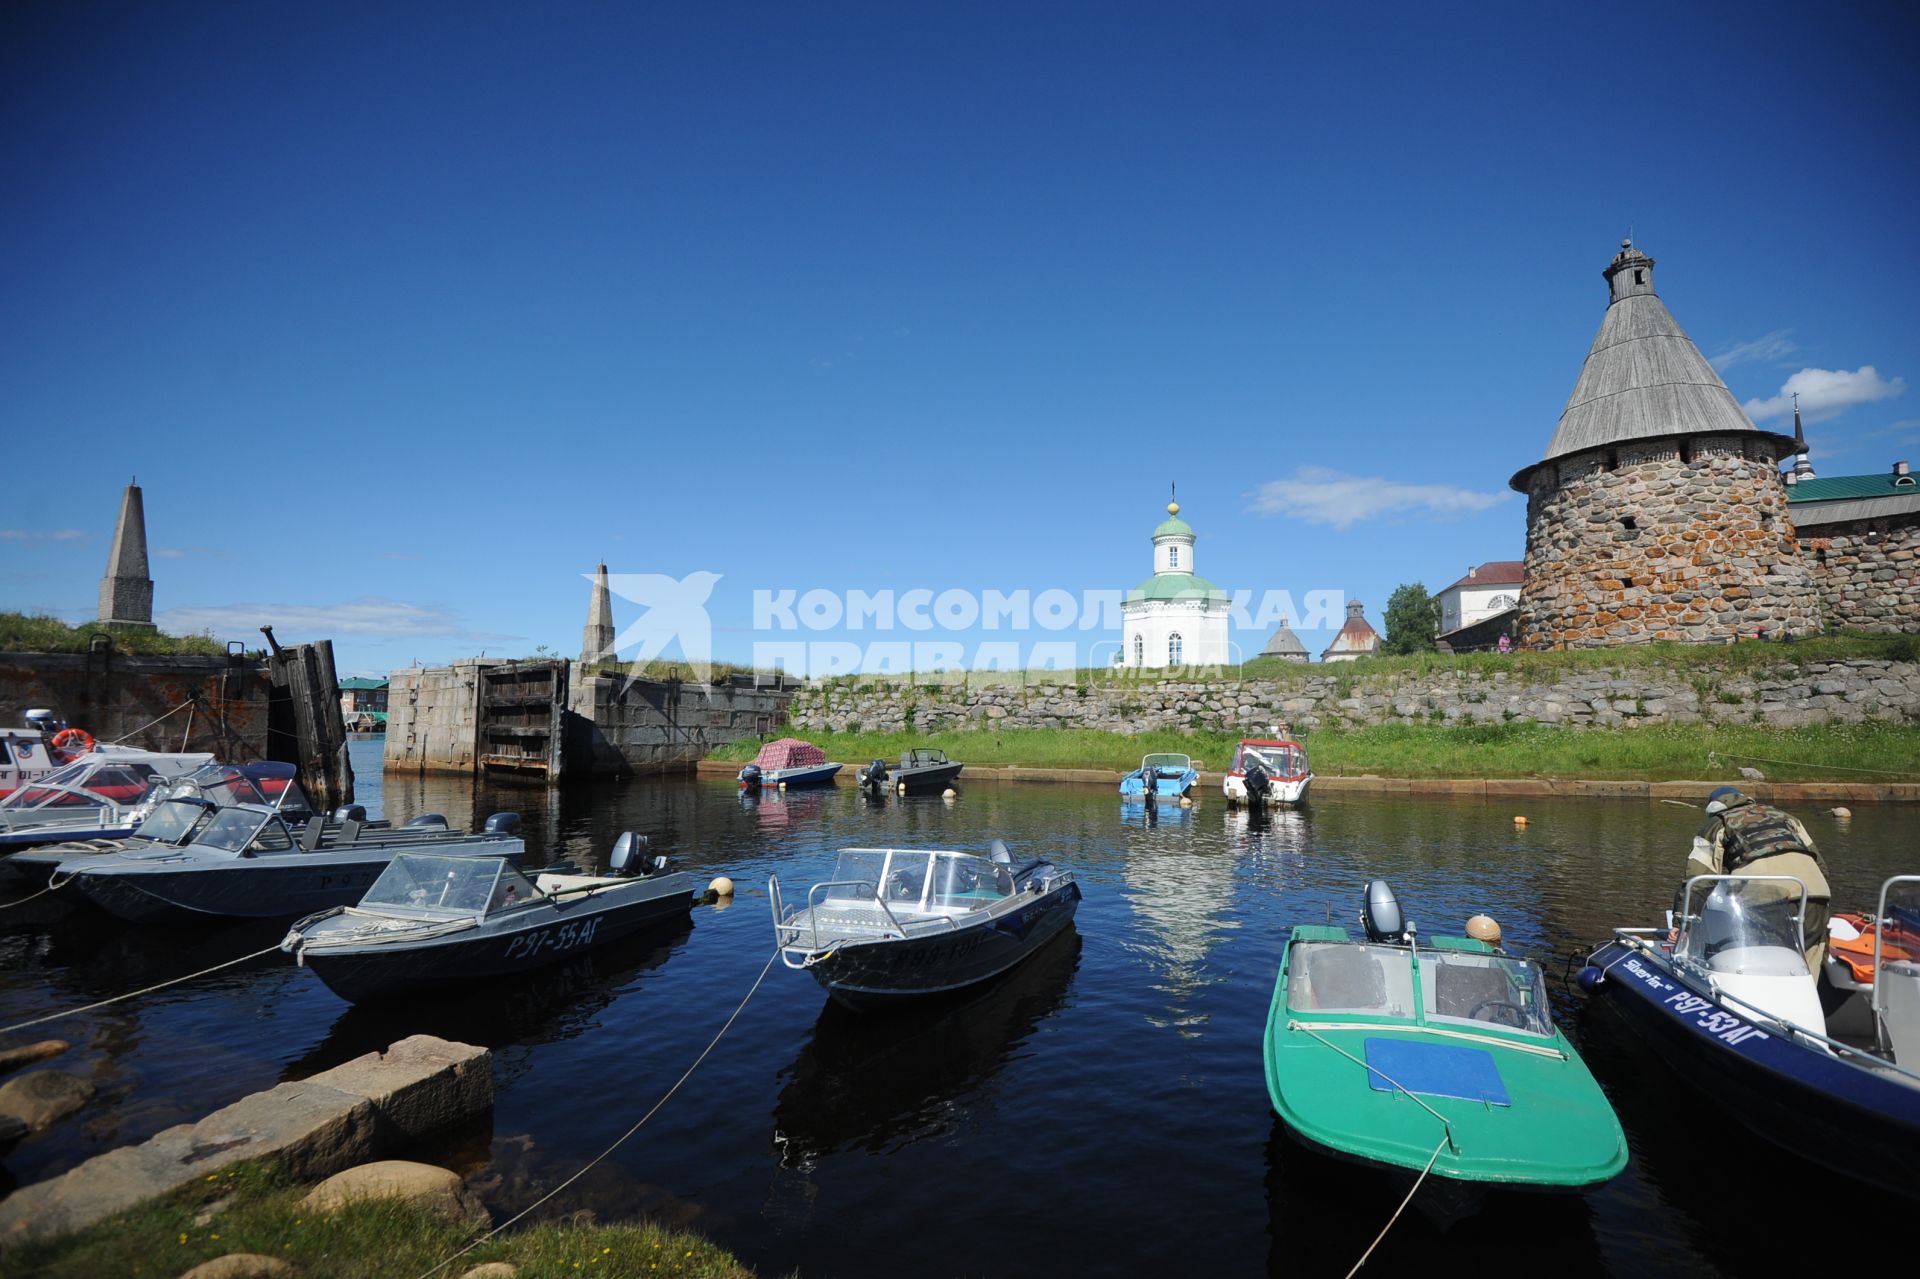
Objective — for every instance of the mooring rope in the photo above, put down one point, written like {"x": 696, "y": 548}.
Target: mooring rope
{"x": 52, "y": 884}
{"x": 145, "y": 990}
{"x": 1418, "y": 1182}
{"x": 1713, "y": 756}
{"x": 150, "y": 723}
{"x": 621, "y": 1139}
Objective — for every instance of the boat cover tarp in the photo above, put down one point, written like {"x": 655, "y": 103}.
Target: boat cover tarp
{"x": 789, "y": 752}
{"x": 1438, "y": 1070}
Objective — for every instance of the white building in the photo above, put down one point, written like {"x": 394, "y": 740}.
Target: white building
{"x": 1174, "y": 618}
{"x": 1487, "y": 590}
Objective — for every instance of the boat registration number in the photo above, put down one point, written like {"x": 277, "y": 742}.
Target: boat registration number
{"x": 565, "y": 937}
{"x": 1717, "y": 1022}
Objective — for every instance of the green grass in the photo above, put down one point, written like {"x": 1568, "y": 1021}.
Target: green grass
{"x": 20, "y": 633}
{"x": 1657, "y": 752}
{"x": 262, "y": 1214}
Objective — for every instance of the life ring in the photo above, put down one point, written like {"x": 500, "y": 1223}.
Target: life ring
{"x": 71, "y": 743}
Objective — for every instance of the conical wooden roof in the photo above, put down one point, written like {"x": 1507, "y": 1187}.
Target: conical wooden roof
{"x": 1643, "y": 378}
{"x": 1284, "y": 643}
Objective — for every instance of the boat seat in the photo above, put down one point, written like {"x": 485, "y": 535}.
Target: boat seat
{"x": 349, "y": 831}
{"x": 310, "y": 836}
{"x": 1900, "y": 1010}
{"x": 1460, "y": 988}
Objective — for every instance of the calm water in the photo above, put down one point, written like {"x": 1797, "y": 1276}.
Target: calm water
{"x": 1103, "y": 1110}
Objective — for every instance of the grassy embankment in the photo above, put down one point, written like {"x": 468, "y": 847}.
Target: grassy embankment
{"x": 258, "y": 1211}
{"x": 1657, "y": 752}
{"x": 20, "y": 633}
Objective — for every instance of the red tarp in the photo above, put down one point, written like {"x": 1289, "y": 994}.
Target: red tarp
{"x": 789, "y": 752}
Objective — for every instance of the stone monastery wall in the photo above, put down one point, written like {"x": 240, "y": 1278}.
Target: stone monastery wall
{"x": 1662, "y": 539}
{"x": 1818, "y": 693}
{"x": 1868, "y": 577}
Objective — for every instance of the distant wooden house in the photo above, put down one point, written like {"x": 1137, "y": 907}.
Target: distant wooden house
{"x": 1482, "y": 606}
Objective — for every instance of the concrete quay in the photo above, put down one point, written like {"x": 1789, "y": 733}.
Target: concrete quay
{"x": 358, "y": 1111}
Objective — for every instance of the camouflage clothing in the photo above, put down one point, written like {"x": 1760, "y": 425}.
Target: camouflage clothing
{"x": 1758, "y": 839}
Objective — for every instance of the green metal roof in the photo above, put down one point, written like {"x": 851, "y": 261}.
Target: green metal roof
{"x": 1844, "y": 486}
{"x": 361, "y": 682}
{"x": 1173, "y": 526}
{"x": 1175, "y": 586}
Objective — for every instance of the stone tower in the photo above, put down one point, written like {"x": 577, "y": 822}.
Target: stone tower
{"x": 596, "y": 642}
{"x": 1658, "y": 512}
{"x": 126, "y": 592}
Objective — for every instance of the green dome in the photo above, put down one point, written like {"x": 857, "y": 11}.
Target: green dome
{"x": 1175, "y": 586}
{"x": 1173, "y": 526}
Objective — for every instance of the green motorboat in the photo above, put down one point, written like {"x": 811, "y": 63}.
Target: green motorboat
{"x": 1404, "y": 1051}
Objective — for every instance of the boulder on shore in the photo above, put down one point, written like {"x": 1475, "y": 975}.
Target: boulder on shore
{"x": 438, "y": 1190}
{"x": 41, "y": 1098}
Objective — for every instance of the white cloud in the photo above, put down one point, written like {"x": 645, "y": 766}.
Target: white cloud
{"x": 1826, "y": 393}
{"x": 296, "y": 623}
{"x": 1322, "y": 496}
{"x": 42, "y": 535}
{"x": 1776, "y": 345}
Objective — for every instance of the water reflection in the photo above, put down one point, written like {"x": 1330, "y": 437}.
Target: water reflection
{"x": 1182, "y": 896}
{"x": 524, "y": 1010}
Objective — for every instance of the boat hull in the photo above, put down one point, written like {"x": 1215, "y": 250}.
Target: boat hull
{"x": 1163, "y": 787}
{"x": 795, "y": 778}
{"x": 277, "y": 887}
{"x": 916, "y": 781}
{"x": 1282, "y": 792}
{"x": 1797, "y": 1097}
{"x": 372, "y": 973}
{"x": 873, "y": 974}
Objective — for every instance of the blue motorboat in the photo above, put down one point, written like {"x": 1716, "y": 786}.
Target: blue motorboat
{"x": 1726, "y": 999}
{"x": 1162, "y": 776}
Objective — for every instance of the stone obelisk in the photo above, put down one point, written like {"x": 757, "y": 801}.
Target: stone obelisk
{"x": 596, "y": 642}
{"x": 126, "y": 592}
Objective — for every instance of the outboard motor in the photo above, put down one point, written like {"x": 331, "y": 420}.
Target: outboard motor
{"x": 428, "y": 821}
{"x": 1257, "y": 786}
{"x": 503, "y": 824}
{"x": 629, "y": 856}
{"x": 750, "y": 777}
{"x": 1381, "y": 914}
{"x": 876, "y": 777}
{"x": 44, "y": 720}
{"x": 350, "y": 813}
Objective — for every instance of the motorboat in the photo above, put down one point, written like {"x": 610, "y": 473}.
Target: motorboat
{"x": 173, "y": 812}
{"x": 33, "y": 750}
{"x": 921, "y": 769}
{"x": 1440, "y": 1054}
{"x": 245, "y": 862}
{"x": 1724, "y": 996}
{"x": 1160, "y": 776}
{"x": 101, "y": 795}
{"x": 1267, "y": 772}
{"x": 788, "y": 764}
{"x": 895, "y": 923}
{"x": 433, "y": 920}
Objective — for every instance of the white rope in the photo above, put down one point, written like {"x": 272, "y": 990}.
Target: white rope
{"x": 150, "y": 723}
{"x": 145, "y": 990}
{"x": 1418, "y": 1182}
{"x": 51, "y": 885}
{"x": 1715, "y": 756}
{"x": 618, "y": 1141}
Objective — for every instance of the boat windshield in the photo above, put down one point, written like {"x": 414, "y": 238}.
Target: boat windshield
{"x": 1175, "y": 763}
{"x": 170, "y": 822}
{"x": 856, "y": 876}
{"x": 226, "y": 786}
{"x": 1350, "y": 977}
{"x": 1484, "y": 989}
{"x": 449, "y": 885}
{"x": 1744, "y": 925}
{"x": 233, "y": 829}
{"x": 961, "y": 882}
{"x": 84, "y": 785}
{"x": 1276, "y": 760}
{"x": 920, "y": 757}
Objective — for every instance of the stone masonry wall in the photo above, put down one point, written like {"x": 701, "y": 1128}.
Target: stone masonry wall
{"x": 1650, "y": 542}
{"x": 1869, "y": 584}
{"x": 1818, "y": 693}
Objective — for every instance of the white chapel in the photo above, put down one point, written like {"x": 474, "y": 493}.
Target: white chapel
{"x": 1174, "y": 618}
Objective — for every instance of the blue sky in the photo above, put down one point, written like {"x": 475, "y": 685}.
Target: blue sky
{"x": 405, "y": 315}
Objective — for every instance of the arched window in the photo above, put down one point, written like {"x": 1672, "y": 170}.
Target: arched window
{"x": 1139, "y": 650}
{"x": 1173, "y": 649}
{"x": 1173, "y": 557}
